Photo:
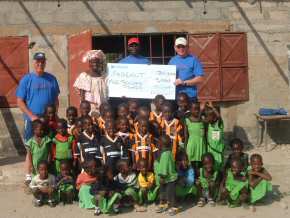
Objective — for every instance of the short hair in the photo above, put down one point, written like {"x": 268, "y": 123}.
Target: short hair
{"x": 123, "y": 104}
{"x": 142, "y": 161}
{"x": 122, "y": 163}
{"x": 85, "y": 102}
{"x": 72, "y": 108}
{"x": 65, "y": 162}
{"x": 62, "y": 121}
{"x": 42, "y": 162}
{"x": 182, "y": 94}
{"x": 236, "y": 141}
{"x": 159, "y": 97}
{"x": 256, "y": 156}
{"x": 209, "y": 156}
{"x": 167, "y": 104}
{"x": 49, "y": 106}
{"x": 181, "y": 155}
{"x": 36, "y": 123}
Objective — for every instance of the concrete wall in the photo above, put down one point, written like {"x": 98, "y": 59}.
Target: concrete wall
{"x": 268, "y": 31}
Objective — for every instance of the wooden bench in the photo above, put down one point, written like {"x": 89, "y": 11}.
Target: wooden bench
{"x": 263, "y": 121}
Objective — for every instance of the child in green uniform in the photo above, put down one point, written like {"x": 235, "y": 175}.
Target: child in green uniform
{"x": 195, "y": 136}
{"x": 65, "y": 183}
{"x": 208, "y": 181}
{"x": 186, "y": 176}
{"x": 63, "y": 145}
{"x": 147, "y": 189}
{"x": 237, "y": 147}
{"x": 126, "y": 182}
{"x": 43, "y": 186}
{"x": 167, "y": 177}
{"x": 38, "y": 149}
{"x": 106, "y": 196}
{"x": 85, "y": 181}
{"x": 235, "y": 185}
{"x": 259, "y": 179}
{"x": 215, "y": 134}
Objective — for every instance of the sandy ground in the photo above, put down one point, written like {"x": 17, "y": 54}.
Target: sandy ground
{"x": 15, "y": 203}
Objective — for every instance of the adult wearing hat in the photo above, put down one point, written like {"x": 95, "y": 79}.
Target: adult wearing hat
{"x": 35, "y": 92}
{"x": 134, "y": 56}
{"x": 189, "y": 70}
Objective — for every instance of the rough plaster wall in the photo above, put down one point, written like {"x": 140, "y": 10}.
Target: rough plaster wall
{"x": 268, "y": 35}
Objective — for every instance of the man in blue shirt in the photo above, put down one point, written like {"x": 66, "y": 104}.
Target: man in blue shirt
{"x": 35, "y": 92}
{"x": 134, "y": 56}
{"x": 189, "y": 69}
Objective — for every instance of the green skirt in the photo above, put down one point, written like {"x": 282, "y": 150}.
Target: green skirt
{"x": 183, "y": 191}
{"x": 148, "y": 195}
{"x": 260, "y": 191}
{"x": 85, "y": 198}
{"x": 106, "y": 203}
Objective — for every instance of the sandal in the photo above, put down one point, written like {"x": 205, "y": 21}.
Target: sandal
{"x": 140, "y": 209}
{"x": 201, "y": 202}
{"x": 161, "y": 208}
{"x": 173, "y": 211}
{"x": 211, "y": 202}
{"x": 97, "y": 211}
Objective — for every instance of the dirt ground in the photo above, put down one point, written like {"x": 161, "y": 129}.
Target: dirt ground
{"x": 15, "y": 203}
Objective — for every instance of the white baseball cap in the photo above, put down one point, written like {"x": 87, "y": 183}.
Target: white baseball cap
{"x": 181, "y": 41}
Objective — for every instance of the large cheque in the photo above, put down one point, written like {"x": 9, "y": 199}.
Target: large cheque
{"x": 141, "y": 80}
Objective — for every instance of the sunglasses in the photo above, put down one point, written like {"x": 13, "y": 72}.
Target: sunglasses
{"x": 180, "y": 46}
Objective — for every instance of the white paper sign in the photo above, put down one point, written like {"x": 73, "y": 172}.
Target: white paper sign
{"x": 141, "y": 80}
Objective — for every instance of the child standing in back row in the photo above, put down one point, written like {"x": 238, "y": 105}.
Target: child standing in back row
{"x": 195, "y": 137}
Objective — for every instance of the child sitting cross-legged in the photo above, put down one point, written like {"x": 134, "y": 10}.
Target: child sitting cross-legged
{"x": 43, "y": 186}
{"x": 147, "y": 189}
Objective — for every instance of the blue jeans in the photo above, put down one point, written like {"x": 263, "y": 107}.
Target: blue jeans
{"x": 28, "y": 131}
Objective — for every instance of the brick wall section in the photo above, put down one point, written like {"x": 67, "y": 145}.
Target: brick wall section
{"x": 268, "y": 35}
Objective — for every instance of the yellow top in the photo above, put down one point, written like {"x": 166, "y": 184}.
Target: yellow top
{"x": 146, "y": 182}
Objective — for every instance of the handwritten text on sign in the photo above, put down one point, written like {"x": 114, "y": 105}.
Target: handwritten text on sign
{"x": 141, "y": 80}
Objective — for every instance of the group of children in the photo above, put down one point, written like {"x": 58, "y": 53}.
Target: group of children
{"x": 132, "y": 156}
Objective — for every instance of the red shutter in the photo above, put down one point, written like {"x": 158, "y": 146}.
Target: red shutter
{"x": 14, "y": 64}
{"x": 225, "y": 63}
{"x": 234, "y": 64}
{"x": 206, "y": 48}
{"x": 77, "y": 46}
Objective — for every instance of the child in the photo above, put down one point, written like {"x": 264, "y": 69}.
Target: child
{"x": 78, "y": 128}
{"x": 43, "y": 186}
{"x": 123, "y": 110}
{"x": 84, "y": 182}
{"x": 195, "y": 137}
{"x": 133, "y": 108}
{"x": 85, "y": 108}
{"x": 237, "y": 147}
{"x": 235, "y": 185}
{"x": 147, "y": 189}
{"x": 143, "y": 113}
{"x": 126, "y": 137}
{"x": 38, "y": 149}
{"x": 208, "y": 181}
{"x": 186, "y": 176}
{"x": 215, "y": 134}
{"x": 167, "y": 174}
{"x": 92, "y": 84}
{"x": 156, "y": 115}
{"x": 171, "y": 127}
{"x": 143, "y": 146}
{"x": 71, "y": 116}
{"x": 126, "y": 181}
{"x": 259, "y": 179}
{"x": 105, "y": 116}
{"x": 64, "y": 146}
{"x": 111, "y": 146}
{"x": 183, "y": 106}
{"x": 50, "y": 117}
{"x": 65, "y": 183}
{"x": 106, "y": 196}
{"x": 88, "y": 143}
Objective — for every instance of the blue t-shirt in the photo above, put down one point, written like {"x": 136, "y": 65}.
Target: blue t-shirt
{"x": 188, "y": 175}
{"x": 134, "y": 59}
{"x": 38, "y": 91}
{"x": 187, "y": 68}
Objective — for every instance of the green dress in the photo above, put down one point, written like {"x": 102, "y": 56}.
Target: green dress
{"x": 234, "y": 187}
{"x": 85, "y": 198}
{"x": 166, "y": 166}
{"x": 106, "y": 203}
{"x": 215, "y": 140}
{"x": 260, "y": 191}
{"x": 39, "y": 152}
{"x": 195, "y": 147}
{"x": 204, "y": 182}
{"x": 63, "y": 151}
